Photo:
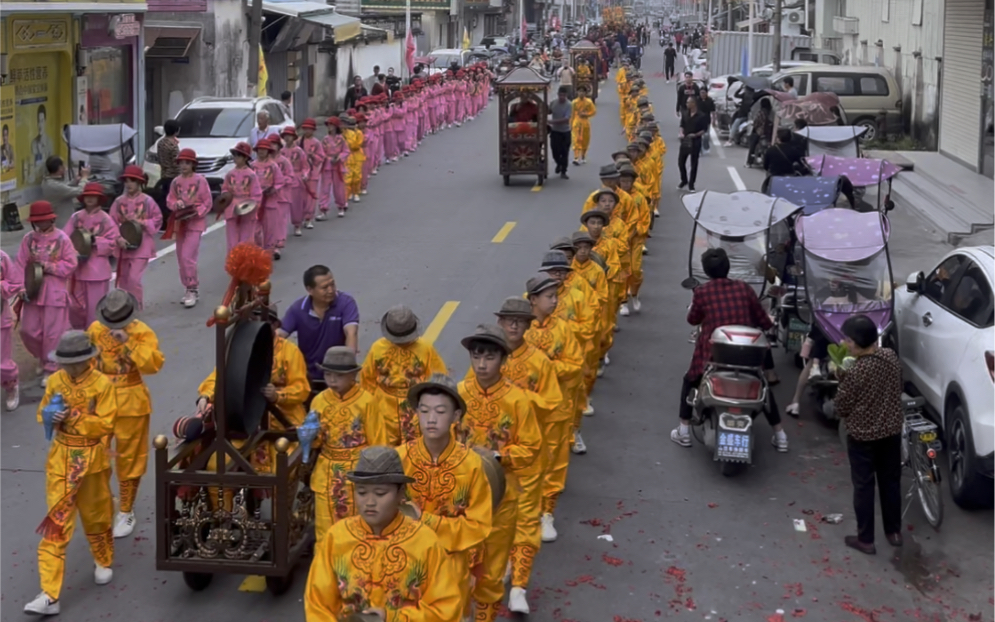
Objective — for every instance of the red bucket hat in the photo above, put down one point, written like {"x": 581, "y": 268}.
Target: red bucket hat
{"x": 309, "y": 124}
{"x": 360, "y": 118}
{"x": 93, "y": 189}
{"x": 274, "y": 141}
{"x": 398, "y": 95}
{"x": 41, "y": 211}
{"x": 242, "y": 149}
{"x": 333, "y": 121}
{"x": 289, "y": 131}
{"x": 263, "y": 144}
{"x": 132, "y": 172}
{"x": 188, "y": 155}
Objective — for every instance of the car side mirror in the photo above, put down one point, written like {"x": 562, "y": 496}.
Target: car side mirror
{"x": 690, "y": 283}
{"x": 916, "y": 283}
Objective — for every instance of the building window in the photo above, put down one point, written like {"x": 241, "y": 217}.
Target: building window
{"x": 873, "y": 85}
{"x": 841, "y": 85}
{"x": 493, "y": 25}
{"x": 109, "y": 85}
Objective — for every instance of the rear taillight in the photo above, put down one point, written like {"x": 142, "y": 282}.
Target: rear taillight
{"x": 718, "y": 85}
{"x": 990, "y": 361}
{"x": 739, "y": 388}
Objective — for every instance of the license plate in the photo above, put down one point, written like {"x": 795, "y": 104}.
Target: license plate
{"x": 733, "y": 445}
{"x": 927, "y": 437}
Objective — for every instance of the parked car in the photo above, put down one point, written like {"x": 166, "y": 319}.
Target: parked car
{"x": 442, "y": 59}
{"x": 865, "y": 92}
{"x": 213, "y": 125}
{"x": 946, "y": 339}
{"x": 767, "y": 71}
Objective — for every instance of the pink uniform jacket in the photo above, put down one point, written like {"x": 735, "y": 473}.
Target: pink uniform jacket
{"x": 243, "y": 184}
{"x": 55, "y": 252}
{"x": 96, "y": 267}
{"x": 192, "y": 191}
{"x": 139, "y": 207}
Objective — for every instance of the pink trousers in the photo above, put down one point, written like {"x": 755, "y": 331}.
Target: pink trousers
{"x": 129, "y": 277}
{"x": 41, "y": 328}
{"x": 8, "y": 368}
{"x": 401, "y": 137}
{"x": 84, "y": 299}
{"x": 311, "y": 202}
{"x": 298, "y": 197}
{"x": 324, "y": 190}
{"x": 187, "y": 253}
{"x": 390, "y": 145}
{"x": 339, "y": 191}
{"x": 240, "y": 229}
{"x": 274, "y": 227}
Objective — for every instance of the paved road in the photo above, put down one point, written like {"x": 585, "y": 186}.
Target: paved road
{"x": 687, "y": 543}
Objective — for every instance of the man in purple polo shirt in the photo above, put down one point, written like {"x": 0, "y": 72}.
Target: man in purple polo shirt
{"x": 324, "y": 318}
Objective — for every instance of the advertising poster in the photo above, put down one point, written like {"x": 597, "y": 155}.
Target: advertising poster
{"x": 37, "y": 135}
{"x": 8, "y": 125}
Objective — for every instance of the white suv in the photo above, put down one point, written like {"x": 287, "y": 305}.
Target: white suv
{"x": 946, "y": 341}
{"x": 213, "y": 125}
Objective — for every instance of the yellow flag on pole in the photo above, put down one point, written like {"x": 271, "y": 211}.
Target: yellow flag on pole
{"x": 466, "y": 39}
{"x": 263, "y": 75}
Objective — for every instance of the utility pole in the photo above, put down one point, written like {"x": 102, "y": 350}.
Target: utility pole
{"x": 777, "y": 35}
{"x": 255, "y": 32}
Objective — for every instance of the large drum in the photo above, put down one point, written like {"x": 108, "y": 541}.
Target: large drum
{"x": 248, "y": 369}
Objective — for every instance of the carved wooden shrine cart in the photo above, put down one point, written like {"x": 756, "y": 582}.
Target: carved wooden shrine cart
{"x": 590, "y": 53}
{"x": 523, "y": 99}
{"x": 217, "y": 512}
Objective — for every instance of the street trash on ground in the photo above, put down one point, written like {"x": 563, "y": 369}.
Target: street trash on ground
{"x": 800, "y": 525}
{"x": 833, "y": 519}
{"x": 607, "y": 537}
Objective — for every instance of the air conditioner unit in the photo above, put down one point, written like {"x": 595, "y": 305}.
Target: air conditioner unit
{"x": 846, "y": 25}
{"x": 794, "y": 16}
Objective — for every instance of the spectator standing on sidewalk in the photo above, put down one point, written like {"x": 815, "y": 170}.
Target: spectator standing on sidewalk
{"x": 694, "y": 125}
{"x": 560, "y": 114}
{"x": 869, "y": 400}
{"x": 707, "y": 107}
{"x": 59, "y": 192}
{"x": 168, "y": 149}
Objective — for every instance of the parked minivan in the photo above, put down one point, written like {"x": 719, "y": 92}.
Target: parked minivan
{"x": 864, "y": 92}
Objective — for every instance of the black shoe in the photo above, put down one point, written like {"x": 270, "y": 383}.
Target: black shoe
{"x": 690, "y": 188}
{"x": 682, "y": 185}
{"x": 563, "y": 175}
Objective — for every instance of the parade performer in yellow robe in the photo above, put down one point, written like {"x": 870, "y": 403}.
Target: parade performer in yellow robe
{"x": 381, "y": 562}
{"x": 586, "y": 266}
{"x": 351, "y": 420}
{"x": 580, "y": 124}
{"x": 354, "y": 163}
{"x": 450, "y": 492}
{"x": 396, "y": 362}
{"x": 129, "y": 350}
{"x": 500, "y": 418}
{"x": 608, "y": 248}
{"x": 643, "y": 218}
{"x": 77, "y": 471}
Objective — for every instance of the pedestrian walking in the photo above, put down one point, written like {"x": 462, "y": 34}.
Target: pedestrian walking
{"x": 694, "y": 124}
{"x": 79, "y": 427}
{"x": 669, "y": 58}
{"x": 167, "y": 150}
{"x": 136, "y": 207}
{"x": 567, "y": 75}
{"x": 128, "y": 351}
{"x": 685, "y": 90}
{"x": 869, "y": 401}
{"x": 242, "y": 184}
{"x": 189, "y": 201}
{"x": 580, "y": 124}
{"x": 560, "y": 113}
{"x": 10, "y": 288}
{"x": 261, "y": 130}
{"x": 92, "y": 278}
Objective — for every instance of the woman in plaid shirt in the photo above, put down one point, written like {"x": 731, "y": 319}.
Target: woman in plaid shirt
{"x": 721, "y": 302}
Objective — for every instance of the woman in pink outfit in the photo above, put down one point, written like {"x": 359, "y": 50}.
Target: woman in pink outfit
{"x": 92, "y": 279}
{"x": 46, "y": 317}
{"x": 189, "y": 201}
{"x": 138, "y": 207}
{"x": 10, "y": 288}
{"x": 297, "y": 187}
{"x": 339, "y": 155}
{"x": 439, "y": 103}
{"x": 286, "y": 192}
{"x": 389, "y": 138}
{"x": 397, "y": 122}
{"x": 270, "y": 179}
{"x": 411, "y": 119}
{"x": 368, "y": 127}
{"x": 315, "y": 153}
{"x": 243, "y": 185}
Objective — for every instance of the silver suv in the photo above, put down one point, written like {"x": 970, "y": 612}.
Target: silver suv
{"x": 213, "y": 125}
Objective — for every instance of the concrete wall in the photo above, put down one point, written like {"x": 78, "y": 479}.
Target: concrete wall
{"x": 357, "y": 58}
{"x": 914, "y": 66}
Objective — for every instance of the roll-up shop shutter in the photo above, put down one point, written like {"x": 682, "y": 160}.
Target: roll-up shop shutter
{"x": 960, "y": 99}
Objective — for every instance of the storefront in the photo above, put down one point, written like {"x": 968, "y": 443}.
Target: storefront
{"x": 110, "y": 43}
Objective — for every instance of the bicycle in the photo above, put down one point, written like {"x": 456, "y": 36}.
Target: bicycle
{"x": 920, "y": 446}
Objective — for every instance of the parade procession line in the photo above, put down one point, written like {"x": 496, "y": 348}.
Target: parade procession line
{"x": 503, "y": 233}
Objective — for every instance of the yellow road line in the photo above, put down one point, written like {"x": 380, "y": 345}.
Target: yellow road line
{"x": 439, "y": 322}
{"x": 503, "y": 233}
{"x": 253, "y": 583}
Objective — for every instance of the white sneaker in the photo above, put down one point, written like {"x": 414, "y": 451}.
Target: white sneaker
{"x": 363, "y": 191}
{"x": 636, "y": 305}
{"x": 780, "y": 441}
{"x": 101, "y": 575}
{"x": 576, "y": 162}
{"x": 341, "y": 212}
{"x": 815, "y": 373}
{"x": 601, "y": 369}
{"x": 124, "y": 524}
{"x": 320, "y": 216}
{"x": 517, "y": 602}
{"x": 13, "y": 397}
{"x": 607, "y": 360}
{"x": 656, "y": 212}
{"x": 42, "y": 605}
{"x": 297, "y": 232}
{"x": 374, "y": 171}
{"x": 548, "y": 530}
{"x": 684, "y": 440}
{"x": 356, "y": 198}
{"x": 309, "y": 224}
{"x": 190, "y": 299}
{"x": 578, "y": 447}
{"x": 589, "y": 411}
{"x": 623, "y": 310}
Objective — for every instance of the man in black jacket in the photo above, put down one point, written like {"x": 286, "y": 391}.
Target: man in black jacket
{"x": 354, "y": 92}
{"x": 687, "y": 89}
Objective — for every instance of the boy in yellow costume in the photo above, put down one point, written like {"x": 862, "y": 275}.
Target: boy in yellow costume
{"x": 129, "y": 350}
{"x": 351, "y": 420}
{"x": 381, "y": 562}
{"x": 580, "y": 124}
{"x": 642, "y": 218}
{"x": 395, "y": 363}
{"x": 594, "y": 270}
{"x": 500, "y": 418}
{"x": 78, "y": 470}
{"x": 608, "y": 249}
{"x": 354, "y": 164}
{"x": 450, "y": 493}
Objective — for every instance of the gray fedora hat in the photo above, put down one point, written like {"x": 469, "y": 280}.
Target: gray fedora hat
{"x": 514, "y": 306}
{"x": 626, "y": 169}
{"x": 379, "y": 464}
{"x": 582, "y": 237}
{"x": 488, "y": 333}
{"x": 74, "y": 347}
{"x": 555, "y": 260}
{"x": 340, "y": 360}
{"x": 399, "y": 325}
{"x": 562, "y": 243}
{"x": 608, "y": 172}
{"x": 539, "y": 283}
{"x": 443, "y": 383}
{"x": 117, "y": 309}
{"x": 594, "y": 213}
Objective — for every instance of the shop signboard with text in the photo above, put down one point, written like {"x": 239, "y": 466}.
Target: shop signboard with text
{"x": 8, "y": 126}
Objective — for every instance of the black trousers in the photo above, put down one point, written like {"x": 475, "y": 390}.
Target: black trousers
{"x": 880, "y": 459}
{"x": 164, "y": 185}
{"x": 668, "y": 69}
{"x": 559, "y": 144}
{"x": 692, "y": 151}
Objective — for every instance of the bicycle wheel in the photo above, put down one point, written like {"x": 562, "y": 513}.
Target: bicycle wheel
{"x": 927, "y": 485}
